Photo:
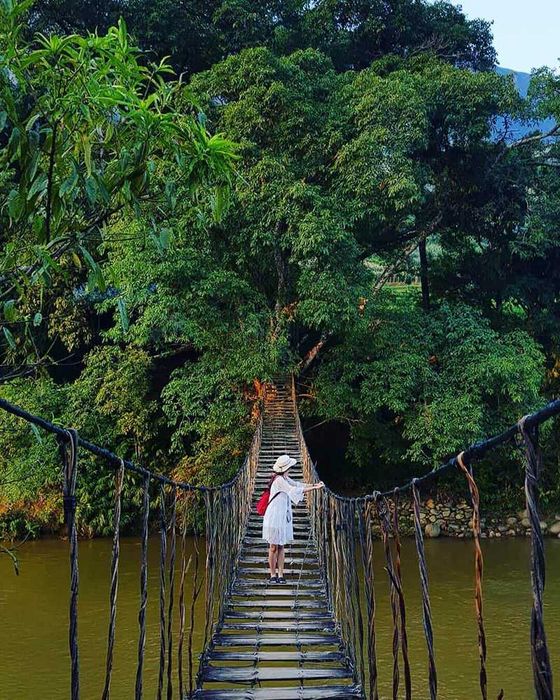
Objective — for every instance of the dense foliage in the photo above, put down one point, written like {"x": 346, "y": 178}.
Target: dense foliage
{"x": 167, "y": 246}
{"x": 353, "y": 33}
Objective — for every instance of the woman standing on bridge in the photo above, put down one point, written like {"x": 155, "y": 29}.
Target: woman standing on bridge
{"x": 278, "y": 528}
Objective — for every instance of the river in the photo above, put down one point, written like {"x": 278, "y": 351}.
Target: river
{"x": 33, "y": 619}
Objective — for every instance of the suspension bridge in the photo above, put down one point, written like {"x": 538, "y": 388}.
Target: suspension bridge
{"x": 314, "y": 637}
{"x": 282, "y": 633}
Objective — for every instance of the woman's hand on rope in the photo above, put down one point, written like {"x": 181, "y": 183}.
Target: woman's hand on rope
{"x": 313, "y": 487}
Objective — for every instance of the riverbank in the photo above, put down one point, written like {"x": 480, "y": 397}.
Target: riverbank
{"x": 439, "y": 518}
{"x": 448, "y": 518}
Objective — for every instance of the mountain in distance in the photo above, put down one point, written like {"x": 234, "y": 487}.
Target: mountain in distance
{"x": 521, "y": 129}
{"x": 521, "y": 79}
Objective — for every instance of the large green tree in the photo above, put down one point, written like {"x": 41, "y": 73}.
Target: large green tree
{"x": 329, "y": 181}
{"x": 353, "y": 33}
{"x": 367, "y": 145}
{"x": 89, "y": 132}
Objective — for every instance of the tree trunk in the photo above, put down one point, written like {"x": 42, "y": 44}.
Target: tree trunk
{"x": 282, "y": 276}
{"x": 424, "y": 275}
{"x": 408, "y": 250}
{"x": 312, "y": 354}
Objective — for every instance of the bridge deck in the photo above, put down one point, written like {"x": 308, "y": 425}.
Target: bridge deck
{"x": 277, "y": 642}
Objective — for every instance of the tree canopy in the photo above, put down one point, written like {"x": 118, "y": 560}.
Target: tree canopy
{"x": 90, "y": 132}
{"x": 169, "y": 243}
{"x": 353, "y": 33}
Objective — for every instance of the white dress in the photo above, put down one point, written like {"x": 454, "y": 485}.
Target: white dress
{"x": 277, "y": 523}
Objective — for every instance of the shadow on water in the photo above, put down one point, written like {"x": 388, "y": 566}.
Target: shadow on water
{"x": 33, "y": 615}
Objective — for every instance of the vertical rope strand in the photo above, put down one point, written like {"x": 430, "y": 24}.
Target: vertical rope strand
{"x": 162, "y": 562}
{"x": 185, "y": 566}
{"x": 357, "y": 598}
{"x": 402, "y": 606}
{"x": 197, "y": 588}
{"x": 383, "y": 516}
{"x": 119, "y": 477}
{"x": 365, "y": 530}
{"x": 209, "y": 568}
{"x": 426, "y": 604}
{"x": 69, "y": 453}
{"x": 172, "y": 554}
{"x": 143, "y": 588}
{"x": 479, "y": 574}
{"x": 542, "y": 671}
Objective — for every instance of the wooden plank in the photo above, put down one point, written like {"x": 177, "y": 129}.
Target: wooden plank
{"x": 295, "y": 614}
{"x": 262, "y": 582}
{"x": 275, "y": 640}
{"x": 291, "y": 573}
{"x": 293, "y": 555}
{"x": 285, "y": 625}
{"x": 271, "y": 451}
{"x": 228, "y": 674}
{"x": 261, "y": 570}
{"x": 308, "y": 562}
{"x": 312, "y": 657}
{"x": 282, "y": 604}
{"x": 343, "y": 692}
{"x": 291, "y": 594}
{"x": 278, "y": 590}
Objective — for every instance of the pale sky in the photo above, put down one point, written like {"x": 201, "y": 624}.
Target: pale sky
{"x": 526, "y": 32}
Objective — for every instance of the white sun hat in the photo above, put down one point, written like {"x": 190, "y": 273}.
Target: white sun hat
{"x": 283, "y": 463}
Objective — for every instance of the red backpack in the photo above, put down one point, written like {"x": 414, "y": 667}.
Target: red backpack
{"x": 264, "y": 500}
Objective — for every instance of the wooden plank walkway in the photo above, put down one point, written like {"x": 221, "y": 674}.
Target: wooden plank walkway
{"x": 277, "y": 641}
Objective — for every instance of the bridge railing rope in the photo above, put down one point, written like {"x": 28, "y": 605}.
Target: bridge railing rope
{"x": 227, "y": 510}
{"x": 339, "y": 522}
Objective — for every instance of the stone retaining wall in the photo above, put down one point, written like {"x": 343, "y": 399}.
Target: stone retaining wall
{"x": 453, "y": 519}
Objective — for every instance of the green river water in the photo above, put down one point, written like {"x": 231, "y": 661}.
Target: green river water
{"x": 33, "y": 619}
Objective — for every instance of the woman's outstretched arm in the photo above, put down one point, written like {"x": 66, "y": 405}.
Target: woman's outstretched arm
{"x": 296, "y": 489}
{"x": 313, "y": 487}
{"x": 303, "y": 486}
